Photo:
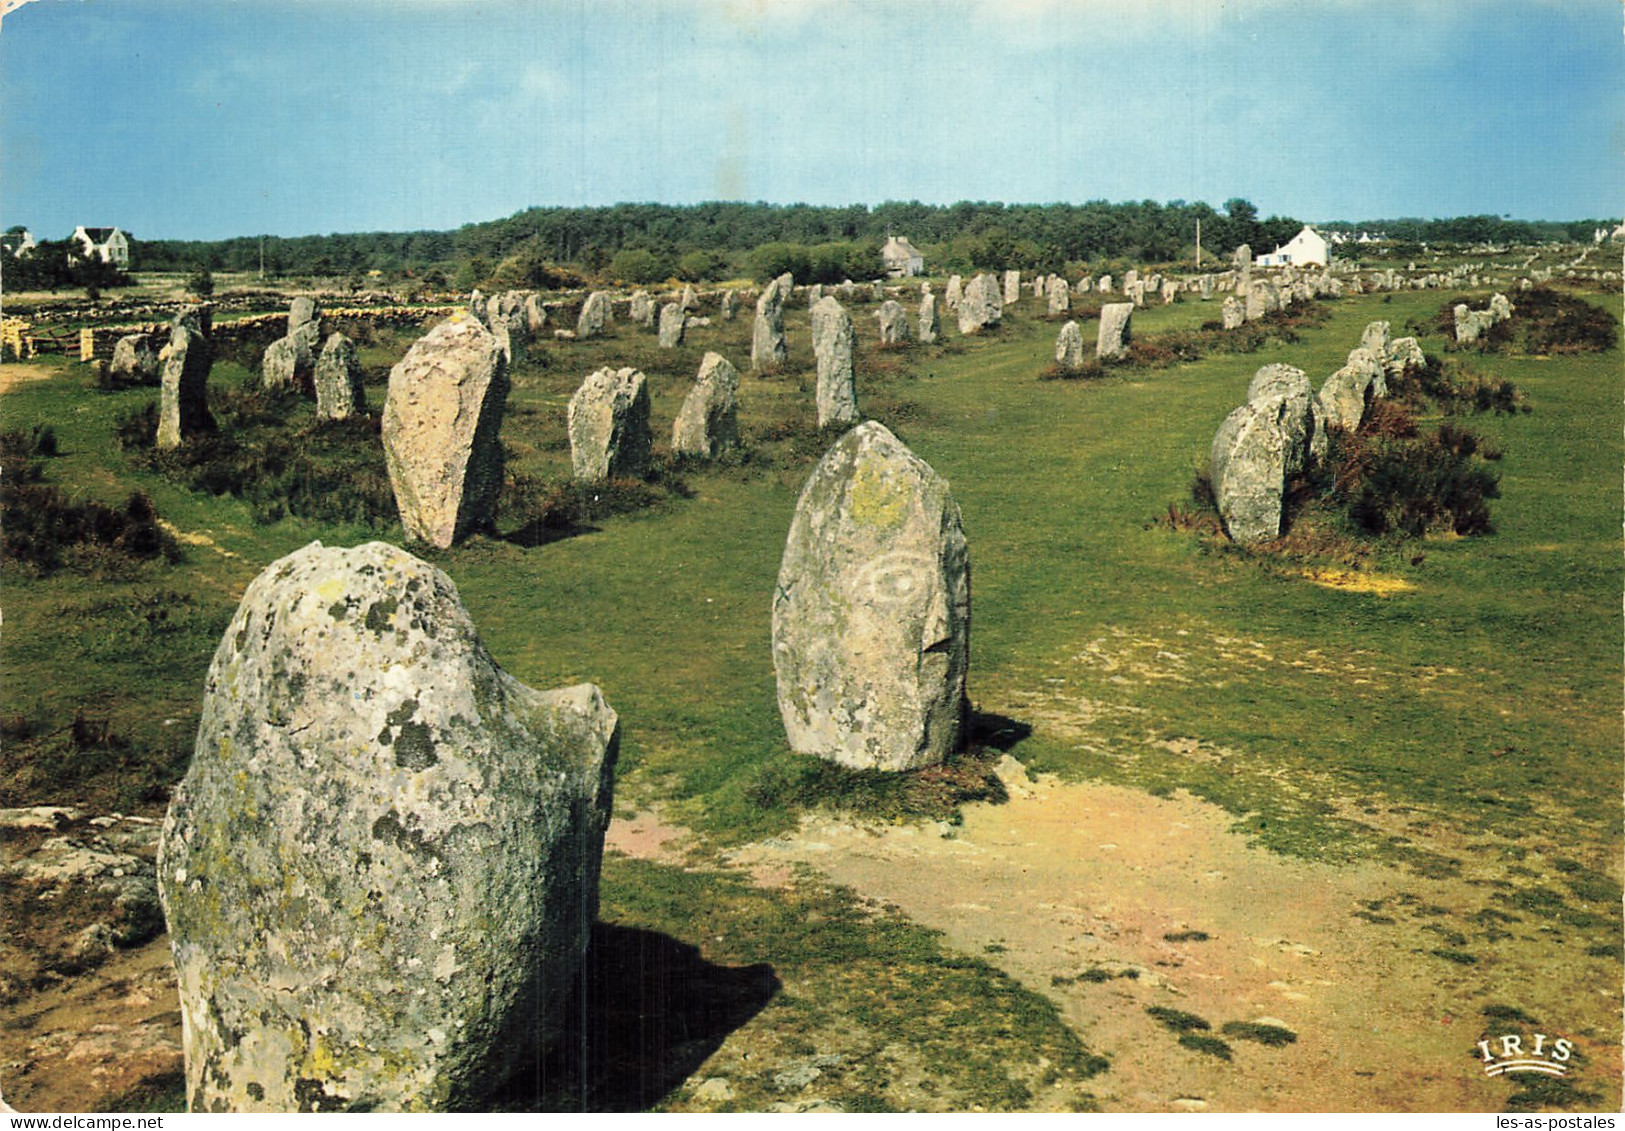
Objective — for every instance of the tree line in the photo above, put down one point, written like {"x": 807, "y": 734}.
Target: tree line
{"x": 640, "y": 243}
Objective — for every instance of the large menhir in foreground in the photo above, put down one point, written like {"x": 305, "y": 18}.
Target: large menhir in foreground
{"x": 382, "y": 867}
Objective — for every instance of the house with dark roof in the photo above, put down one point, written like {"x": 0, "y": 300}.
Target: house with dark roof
{"x": 17, "y": 242}
{"x": 107, "y": 244}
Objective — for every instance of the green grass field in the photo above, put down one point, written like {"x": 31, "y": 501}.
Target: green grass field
{"x": 1471, "y": 706}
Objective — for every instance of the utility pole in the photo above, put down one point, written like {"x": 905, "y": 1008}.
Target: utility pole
{"x": 1198, "y": 243}
{"x": 262, "y": 253}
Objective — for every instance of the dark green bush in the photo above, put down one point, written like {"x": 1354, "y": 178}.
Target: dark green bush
{"x": 1392, "y": 479}
{"x": 46, "y": 530}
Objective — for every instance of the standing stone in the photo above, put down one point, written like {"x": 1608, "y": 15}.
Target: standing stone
{"x": 708, "y": 423}
{"x": 1500, "y": 307}
{"x": 930, "y": 323}
{"x": 1115, "y": 330}
{"x": 1170, "y": 289}
{"x": 641, "y": 309}
{"x": 1347, "y": 395}
{"x": 183, "y": 397}
{"x": 690, "y": 301}
{"x": 871, "y": 615}
{"x": 1085, "y": 285}
{"x": 1404, "y": 356}
{"x": 1060, "y": 296}
{"x": 1376, "y": 340}
{"x": 1012, "y": 287}
{"x": 508, "y": 323}
{"x": 730, "y": 304}
{"x": 1247, "y": 464}
{"x": 1205, "y": 286}
{"x": 1135, "y": 293}
{"x": 442, "y": 420}
{"x": 672, "y": 321}
{"x": 980, "y": 306}
{"x": 768, "y": 347}
{"x": 1130, "y": 278}
{"x": 134, "y": 359}
{"x": 305, "y": 324}
{"x": 814, "y": 293}
{"x": 535, "y": 315}
{"x": 288, "y": 363}
{"x": 595, "y": 315}
{"x": 1233, "y": 313}
{"x": 1069, "y": 347}
{"x": 609, "y": 426}
{"x": 832, "y": 346}
{"x": 893, "y": 323}
{"x": 1257, "y": 300}
{"x": 877, "y": 291}
{"x": 1302, "y": 420}
{"x": 381, "y": 870}
{"x": 339, "y": 393}
{"x": 954, "y": 293}
{"x": 1105, "y": 284}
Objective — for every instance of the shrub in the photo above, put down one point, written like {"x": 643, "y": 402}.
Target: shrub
{"x": 331, "y": 470}
{"x": 639, "y": 265}
{"x": 1392, "y": 480}
{"x": 46, "y": 530}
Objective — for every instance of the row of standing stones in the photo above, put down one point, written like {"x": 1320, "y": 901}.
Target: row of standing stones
{"x": 380, "y": 871}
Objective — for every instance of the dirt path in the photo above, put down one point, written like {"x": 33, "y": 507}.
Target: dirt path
{"x": 1067, "y": 879}
{"x": 16, "y": 373}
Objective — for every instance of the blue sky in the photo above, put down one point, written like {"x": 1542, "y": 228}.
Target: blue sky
{"x": 212, "y": 118}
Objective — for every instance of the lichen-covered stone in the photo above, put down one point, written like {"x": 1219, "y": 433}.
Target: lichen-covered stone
{"x": 708, "y": 423}
{"x": 441, "y": 424}
{"x": 833, "y": 337}
{"x": 382, "y": 866}
{"x": 595, "y": 315}
{"x": 768, "y": 347}
{"x": 672, "y": 323}
{"x": 1012, "y": 287}
{"x": 730, "y": 305}
{"x": 135, "y": 359}
{"x": 930, "y": 321}
{"x": 893, "y": 323}
{"x": 609, "y": 426}
{"x": 1301, "y": 418}
{"x": 1233, "y": 314}
{"x": 1404, "y": 356}
{"x": 1069, "y": 347}
{"x": 953, "y": 293}
{"x": 183, "y": 397}
{"x": 339, "y": 393}
{"x": 1348, "y": 394}
{"x": 288, "y": 363}
{"x": 871, "y": 616}
{"x": 1116, "y": 330}
{"x": 980, "y": 306}
{"x": 1247, "y": 464}
{"x": 1059, "y": 296}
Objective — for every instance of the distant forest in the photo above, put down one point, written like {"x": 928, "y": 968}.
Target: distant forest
{"x": 651, "y": 242}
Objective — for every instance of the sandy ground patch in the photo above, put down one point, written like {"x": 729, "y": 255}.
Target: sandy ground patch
{"x": 1110, "y": 901}
{"x": 16, "y": 373}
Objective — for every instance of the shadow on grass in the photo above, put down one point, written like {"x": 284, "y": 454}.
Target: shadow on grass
{"x": 1000, "y": 732}
{"x": 648, "y": 1012}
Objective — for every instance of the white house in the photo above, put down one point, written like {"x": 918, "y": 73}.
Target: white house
{"x": 18, "y": 242}
{"x": 107, "y": 244}
{"x": 1308, "y": 246}
{"x": 902, "y": 257}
